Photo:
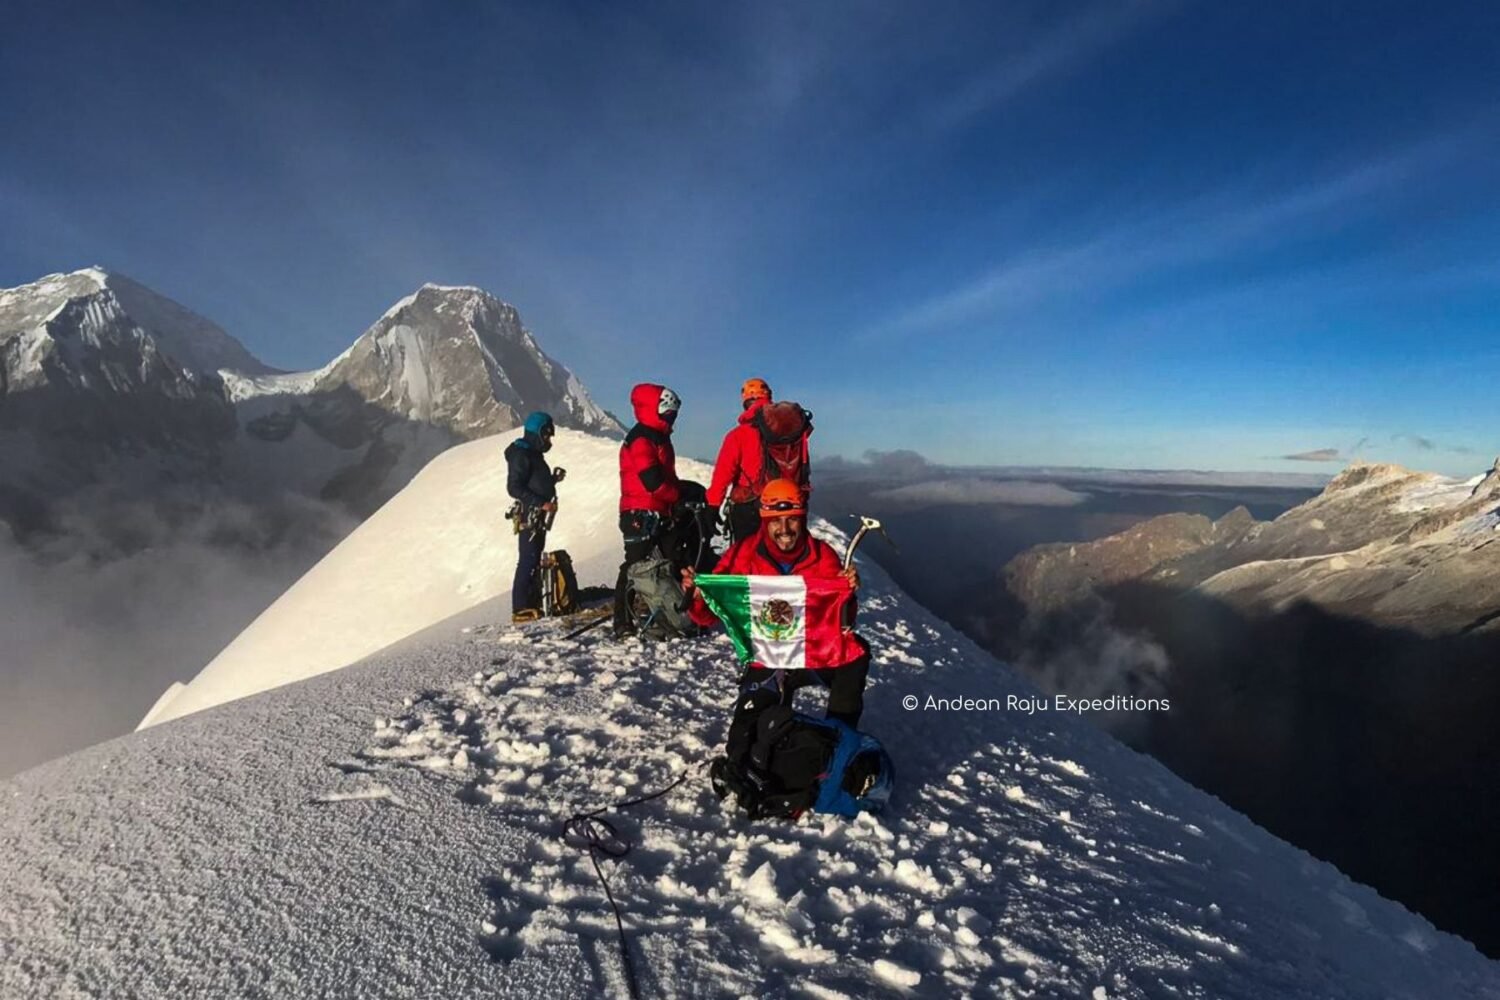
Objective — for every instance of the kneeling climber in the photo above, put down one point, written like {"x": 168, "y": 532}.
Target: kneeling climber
{"x": 783, "y": 548}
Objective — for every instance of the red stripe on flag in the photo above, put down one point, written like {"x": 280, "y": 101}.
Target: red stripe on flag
{"x": 829, "y": 643}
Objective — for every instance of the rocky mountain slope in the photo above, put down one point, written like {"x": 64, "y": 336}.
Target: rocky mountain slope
{"x": 1381, "y": 543}
{"x": 1331, "y": 671}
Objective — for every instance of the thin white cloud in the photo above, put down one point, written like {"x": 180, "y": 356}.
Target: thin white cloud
{"x": 1195, "y": 232}
{"x": 1018, "y": 493}
{"x": 1048, "y": 55}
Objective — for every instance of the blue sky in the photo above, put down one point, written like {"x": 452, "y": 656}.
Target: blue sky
{"x": 1136, "y": 235}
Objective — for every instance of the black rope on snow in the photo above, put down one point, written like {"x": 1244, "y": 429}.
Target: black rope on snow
{"x": 601, "y": 836}
{"x": 591, "y": 625}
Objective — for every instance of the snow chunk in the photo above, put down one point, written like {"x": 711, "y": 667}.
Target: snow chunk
{"x": 896, "y": 975}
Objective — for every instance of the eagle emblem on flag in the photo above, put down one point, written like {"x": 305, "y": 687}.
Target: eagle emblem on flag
{"x": 777, "y": 620}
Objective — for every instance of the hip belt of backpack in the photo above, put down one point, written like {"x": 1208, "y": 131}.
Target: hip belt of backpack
{"x": 648, "y": 522}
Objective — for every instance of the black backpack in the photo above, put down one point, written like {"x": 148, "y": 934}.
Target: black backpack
{"x": 799, "y": 763}
{"x": 784, "y": 428}
{"x": 688, "y": 541}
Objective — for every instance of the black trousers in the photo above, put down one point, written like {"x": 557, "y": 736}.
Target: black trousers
{"x": 531, "y": 544}
{"x": 761, "y": 688}
{"x": 642, "y": 534}
{"x": 744, "y": 519}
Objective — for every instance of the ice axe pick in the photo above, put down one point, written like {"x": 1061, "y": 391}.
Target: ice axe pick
{"x": 866, "y": 525}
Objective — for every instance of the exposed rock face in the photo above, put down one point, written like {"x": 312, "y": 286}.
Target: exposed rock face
{"x": 1053, "y": 576}
{"x": 1380, "y": 543}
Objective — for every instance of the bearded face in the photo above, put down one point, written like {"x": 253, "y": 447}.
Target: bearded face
{"x": 787, "y": 532}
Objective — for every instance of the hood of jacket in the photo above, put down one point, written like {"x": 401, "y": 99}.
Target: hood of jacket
{"x": 644, "y": 399}
{"x": 532, "y": 441}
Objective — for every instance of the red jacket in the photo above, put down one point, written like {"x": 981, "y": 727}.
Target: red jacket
{"x": 648, "y": 464}
{"x": 738, "y": 469}
{"x": 758, "y": 556}
{"x": 741, "y": 469}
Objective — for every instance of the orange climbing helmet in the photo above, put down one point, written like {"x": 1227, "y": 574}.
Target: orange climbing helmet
{"x": 782, "y": 498}
{"x": 754, "y": 388}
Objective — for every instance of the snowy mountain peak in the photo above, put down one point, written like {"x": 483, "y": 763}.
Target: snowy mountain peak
{"x": 98, "y": 373}
{"x": 29, "y": 306}
{"x": 460, "y": 358}
{"x": 195, "y": 344}
{"x": 102, "y": 380}
{"x": 1361, "y": 473}
{"x": 472, "y": 289}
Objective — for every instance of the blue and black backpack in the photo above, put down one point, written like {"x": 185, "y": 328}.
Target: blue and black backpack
{"x": 799, "y": 763}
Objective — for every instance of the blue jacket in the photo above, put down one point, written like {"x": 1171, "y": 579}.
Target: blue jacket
{"x": 529, "y": 478}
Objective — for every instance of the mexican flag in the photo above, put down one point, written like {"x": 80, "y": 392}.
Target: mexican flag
{"x": 783, "y": 622}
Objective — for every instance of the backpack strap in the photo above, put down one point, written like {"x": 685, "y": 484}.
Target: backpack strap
{"x": 651, "y": 434}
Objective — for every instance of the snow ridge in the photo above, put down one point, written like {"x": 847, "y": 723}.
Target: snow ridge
{"x": 439, "y": 547}
{"x": 1025, "y": 856}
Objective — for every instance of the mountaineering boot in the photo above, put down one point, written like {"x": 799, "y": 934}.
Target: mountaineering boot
{"x": 524, "y": 615}
{"x": 730, "y": 778}
{"x": 720, "y": 778}
{"x": 747, "y": 785}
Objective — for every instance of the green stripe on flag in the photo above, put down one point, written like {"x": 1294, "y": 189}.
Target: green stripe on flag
{"x": 728, "y": 597}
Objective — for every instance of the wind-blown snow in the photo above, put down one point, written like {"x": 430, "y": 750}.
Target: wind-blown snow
{"x": 442, "y": 545}
{"x": 1432, "y": 492}
{"x": 391, "y": 830}
{"x": 239, "y": 387}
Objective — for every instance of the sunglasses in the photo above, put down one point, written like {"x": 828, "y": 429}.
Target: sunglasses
{"x": 782, "y": 506}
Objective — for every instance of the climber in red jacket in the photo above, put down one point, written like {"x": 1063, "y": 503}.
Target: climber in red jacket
{"x": 769, "y": 441}
{"x": 737, "y": 472}
{"x": 784, "y": 548}
{"x": 648, "y": 483}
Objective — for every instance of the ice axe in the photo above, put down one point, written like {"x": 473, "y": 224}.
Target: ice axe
{"x": 558, "y": 475}
{"x": 866, "y": 525}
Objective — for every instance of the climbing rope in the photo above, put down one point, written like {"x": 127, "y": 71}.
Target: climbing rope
{"x": 601, "y": 836}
